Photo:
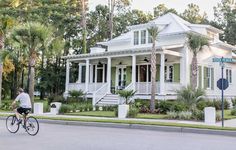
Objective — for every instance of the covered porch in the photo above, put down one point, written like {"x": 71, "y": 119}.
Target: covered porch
{"x": 105, "y": 74}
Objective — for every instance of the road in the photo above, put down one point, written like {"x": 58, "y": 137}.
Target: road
{"x": 59, "y": 137}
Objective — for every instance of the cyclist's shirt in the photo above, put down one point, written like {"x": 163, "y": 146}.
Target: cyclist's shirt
{"x": 24, "y": 100}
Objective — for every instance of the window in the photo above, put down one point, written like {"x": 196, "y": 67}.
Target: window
{"x": 149, "y": 38}
{"x": 136, "y": 37}
{"x": 143, "y": 37}
{"x": 210, "y": 78}
{"x": 169, "y": 73}
{"x": 229, "y": 75}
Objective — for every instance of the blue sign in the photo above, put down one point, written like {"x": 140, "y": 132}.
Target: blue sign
{"x": 225, "y": 84}
{"x": 228, "y": 60}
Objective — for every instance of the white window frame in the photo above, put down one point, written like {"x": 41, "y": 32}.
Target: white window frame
{"x": 228, "y": 75}
{"x": 143, "y": 37}
{"x": 138, "y": 38}
{"x": 209, "y": 78}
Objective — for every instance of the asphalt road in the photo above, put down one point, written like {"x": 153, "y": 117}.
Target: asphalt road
{"x": 59, "y": 137}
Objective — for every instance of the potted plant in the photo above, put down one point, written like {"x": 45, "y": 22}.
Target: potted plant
{"x": 123, "y": 108}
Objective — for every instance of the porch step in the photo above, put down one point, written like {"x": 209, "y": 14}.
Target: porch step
{"x": 108, "y": 100}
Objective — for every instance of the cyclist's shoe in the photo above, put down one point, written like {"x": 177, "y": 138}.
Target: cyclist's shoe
{"x": 19, "y": 122}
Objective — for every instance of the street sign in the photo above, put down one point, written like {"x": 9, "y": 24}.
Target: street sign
{"x": 228, "y": 60}
{"x": 225, "y": 84}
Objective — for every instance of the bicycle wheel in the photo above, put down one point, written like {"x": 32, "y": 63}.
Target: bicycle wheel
{"x": 32, "y": 126}
{"x": 11, "y": 124}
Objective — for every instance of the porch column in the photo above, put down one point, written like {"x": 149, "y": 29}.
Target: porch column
{"x": 87, "y": 76}
{"x": 80, "y": 72}
{"x": 134, "y": 71}
{"x": 202, "y": 76}
{"x": 67, "y": 75}
{"x": 185, "y": 67}
{"x": 91, "y": 74}
{"x": 109, "y": 74}
{"x": 162, "y": 74}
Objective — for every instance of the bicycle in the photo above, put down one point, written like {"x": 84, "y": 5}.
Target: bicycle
{"x": 30, "y": 124}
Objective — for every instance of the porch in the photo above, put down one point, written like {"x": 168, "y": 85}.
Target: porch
{"x": 100, "y": 75}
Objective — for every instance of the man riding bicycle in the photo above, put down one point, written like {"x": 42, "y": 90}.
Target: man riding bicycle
{"x": 25, "y": 104}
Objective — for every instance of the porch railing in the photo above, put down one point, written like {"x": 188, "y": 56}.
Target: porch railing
{"x": 145, "y": 87}
{"x": 130, "y": 86}
{"x": 100, "y": 93}
{"x": 92, "y": 87}
{"x": 76, "y": 86}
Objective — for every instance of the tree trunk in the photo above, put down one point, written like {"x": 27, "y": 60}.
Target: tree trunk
{"x": 31, "y": 79}
{"x": 1, "y": 65}
{"x": 194, "y": 71}
{"x": 111, "y": 4}
{"x": 84, "y": 32}
{"x": 153, "y": 77}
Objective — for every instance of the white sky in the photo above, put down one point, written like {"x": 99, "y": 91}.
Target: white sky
{"x": 179, "y": 5}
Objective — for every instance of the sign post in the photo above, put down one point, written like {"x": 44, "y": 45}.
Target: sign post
{"x": 222, "y": 83}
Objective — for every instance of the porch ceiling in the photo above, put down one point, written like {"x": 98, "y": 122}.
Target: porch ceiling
{"x": 129, "y": 52}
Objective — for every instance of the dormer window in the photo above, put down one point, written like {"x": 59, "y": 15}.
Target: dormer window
{"x": 136, "y": 37}
{"x": 143, "y": 37}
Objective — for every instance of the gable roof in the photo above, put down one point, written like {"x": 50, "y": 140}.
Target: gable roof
{"x": 168, "y": 24}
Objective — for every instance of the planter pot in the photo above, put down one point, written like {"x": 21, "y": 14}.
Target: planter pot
{"x": 123, "y": 111}
{"x": 38, "y": 108}
{"x": 55, "y": 107}
{"x": 210, "y": 115}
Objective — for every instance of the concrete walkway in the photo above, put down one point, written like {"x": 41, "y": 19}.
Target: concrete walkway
{"x": 228, "y": 123}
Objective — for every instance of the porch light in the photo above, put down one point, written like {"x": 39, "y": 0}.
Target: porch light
{"x": 145, "y": 59}
{"x": 120, "y": 63}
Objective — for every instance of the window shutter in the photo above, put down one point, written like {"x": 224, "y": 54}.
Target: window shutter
{"x": 205, "y": 77}
{"x": 176, "y": 72}
{"x": 212, "y": 79}
{"x": 199, "y": 76}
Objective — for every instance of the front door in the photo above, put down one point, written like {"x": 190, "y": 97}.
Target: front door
{"x": 120, "y": 77}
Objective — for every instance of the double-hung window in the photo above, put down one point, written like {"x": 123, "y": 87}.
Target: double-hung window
{"x": 136, "y": 37}
{"x": 229, "y": 75}
{"x": 143, "y": 37}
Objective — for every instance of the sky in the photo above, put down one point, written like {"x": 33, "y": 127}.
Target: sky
{"x": 179, "y": 5}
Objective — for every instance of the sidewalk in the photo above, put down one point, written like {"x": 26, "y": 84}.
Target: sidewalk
{"x": 228, "y": 123}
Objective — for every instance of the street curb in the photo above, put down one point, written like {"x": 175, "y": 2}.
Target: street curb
{"x": 139, "y": 127}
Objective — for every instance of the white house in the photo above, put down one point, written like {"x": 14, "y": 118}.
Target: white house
{"x": 125, "y": 64}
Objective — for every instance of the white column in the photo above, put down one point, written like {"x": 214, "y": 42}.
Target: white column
{"x": 103, "y": 73}
{"x": 202, "y": 77}
{"x": 109, "y": 74}
{"x": 134, "y": 71}
{"x": 185, "y": 67}
{"x": 162, "y": 74}
{"x": 91, "y": 74}
{"x": 87, "y": 76}
{"x": 67, "y": 75}
{"x": 80, "y": 72}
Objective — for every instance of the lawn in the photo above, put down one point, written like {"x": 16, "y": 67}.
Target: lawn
{"x": 112, "y": 114}
{"x": 94, "y": 113}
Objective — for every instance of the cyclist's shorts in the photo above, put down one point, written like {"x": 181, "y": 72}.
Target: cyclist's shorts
{"x": 23, "y": 110}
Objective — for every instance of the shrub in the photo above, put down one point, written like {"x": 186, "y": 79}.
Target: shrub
{"x": 55, "y": 98}
{"x": 233, "y": 112}
{"x": 133, "y": 112}
{"x": 178, "y": 107}
{"x": 185, "y": 115}
{"x": 6, "y": 105}
{"x": 172, "y": 115}
{"x": 76, "y": 95}
{"x": 218, "y": 116}
{"x": 233, "y": 100}
{"x": 65, "y": 108}
{"x": 164, "y": 106}
{"x": 198, "y": 114}
{"x": 190, "y": 96}
{"x": 217, "y": 104}
{"x": 144, "y": 109}
{"x": 126, "y": 94}
{"x": 201, "y": 105}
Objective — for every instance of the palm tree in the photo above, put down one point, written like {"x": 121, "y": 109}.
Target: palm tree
{"x": 196, "y": 44}
{"x": 153, "y": 31}
{"x": 84, "y": 5}
{"x": 33, "y": 35}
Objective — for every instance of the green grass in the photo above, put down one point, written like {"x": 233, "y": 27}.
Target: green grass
{"x": 151, "y": 116}
{"x": 94, "y": 113}
{"x": 227, "y": 115}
